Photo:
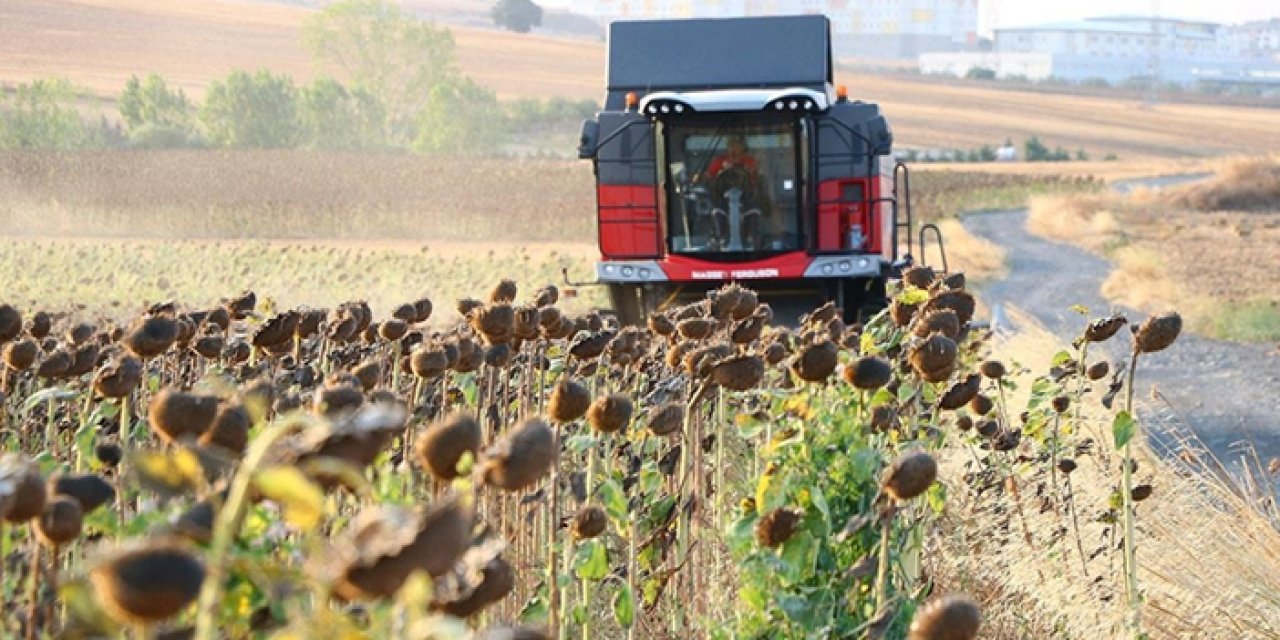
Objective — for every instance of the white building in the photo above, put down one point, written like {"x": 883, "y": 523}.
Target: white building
{"x": 875, "y": 28}
{"x": 1114, "y": 49}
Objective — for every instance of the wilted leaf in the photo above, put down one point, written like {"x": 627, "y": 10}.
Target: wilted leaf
{"x": 169, "y": 474}
{"x": 302, "y": 499}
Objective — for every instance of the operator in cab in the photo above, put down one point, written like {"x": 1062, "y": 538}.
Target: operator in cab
{"x": 736, "y": 156}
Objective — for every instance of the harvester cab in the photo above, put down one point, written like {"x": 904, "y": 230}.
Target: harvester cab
{"x": 724, "y": 153}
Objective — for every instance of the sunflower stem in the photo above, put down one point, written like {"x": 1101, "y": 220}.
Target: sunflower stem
{"x": 227, "y": 524}
{"x": 1132, "y": 596}
{"x": 882, "y": 563}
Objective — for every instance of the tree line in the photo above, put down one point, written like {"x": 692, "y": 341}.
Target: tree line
{"x": 390, "y": 81}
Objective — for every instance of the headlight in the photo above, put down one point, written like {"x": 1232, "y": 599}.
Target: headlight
{"x": 863, "y": 263}
{"x": 828, "y": 269}
{"x": 846, "y": 266}
{"x": 628, "y": 271}
{"x": 794, "y": 105}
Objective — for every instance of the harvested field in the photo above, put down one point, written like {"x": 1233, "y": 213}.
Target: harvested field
{"x": 1177, "y": 247}
{"x": 100, "y": 43}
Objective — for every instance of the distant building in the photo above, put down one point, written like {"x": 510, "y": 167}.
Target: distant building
{"x": 871, "y": 28}
{"x": 1112, "y": 49}
{"x": 1258, "y": 39}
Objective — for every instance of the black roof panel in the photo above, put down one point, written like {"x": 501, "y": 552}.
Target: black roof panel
{"x": 720, "y": 53}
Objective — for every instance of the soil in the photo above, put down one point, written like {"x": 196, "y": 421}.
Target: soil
{"x": 1224, "y": 392}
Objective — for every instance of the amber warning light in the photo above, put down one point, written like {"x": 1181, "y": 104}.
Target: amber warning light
{"x": 842, "y": 93}
{"x": 632, "y": 100}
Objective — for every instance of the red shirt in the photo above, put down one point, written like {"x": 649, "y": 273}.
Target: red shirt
{"x": 722, "y": 162}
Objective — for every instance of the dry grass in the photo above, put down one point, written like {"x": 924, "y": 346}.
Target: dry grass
{"x": 97, "y": 277}
{"x": 295, "y": 194}
{"x": 1208, "y": 547}
{"x": 1176, "y": 248}
{"x": 100, "y": 43}
{"x": 980, "y": 259}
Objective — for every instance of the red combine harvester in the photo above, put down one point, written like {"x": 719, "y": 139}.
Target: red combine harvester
{"x": 724, "y": 153}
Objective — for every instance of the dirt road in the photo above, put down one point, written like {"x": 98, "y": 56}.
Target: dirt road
{"x": 1224, "y": 392}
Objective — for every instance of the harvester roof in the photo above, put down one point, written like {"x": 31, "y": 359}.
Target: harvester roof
{"x": 722, "y": 53}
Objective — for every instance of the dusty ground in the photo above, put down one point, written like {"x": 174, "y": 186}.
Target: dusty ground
{"x": 1225, "y": 392}
{"x": 100, "y": 43}
{"x": 1210, "y": 248}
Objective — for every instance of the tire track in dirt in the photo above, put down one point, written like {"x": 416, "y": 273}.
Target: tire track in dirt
{"x": 1224, "y": 392}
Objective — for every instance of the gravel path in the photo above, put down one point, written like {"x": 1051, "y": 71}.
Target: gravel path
{"x": 1224, "y": 392}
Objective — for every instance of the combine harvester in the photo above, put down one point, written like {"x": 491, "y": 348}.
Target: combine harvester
{"x": 725, "y": 153}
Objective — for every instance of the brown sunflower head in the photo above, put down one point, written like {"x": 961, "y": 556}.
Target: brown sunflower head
{"x": 177, "y": 415}
{"x": 611, "y": 413}
{"x": 591, "y": 345}
{"x": 89, "y": 490}
{"x": 505, "y": 291}
{"x": 1157, "y": 333}
{"x": 230, "y": 428}
{"x": 666, "y": 419}
{"x": 589, "y": 522}
{"x": 546, "y": 296}
{"x": 19, "y": 355}
{"x": 910, "y": 475}
{"x": 496, "y": 322}
{"x": 902, "y": 312}
{"x": 777, "y": 526}
{"x": 522, "y": 457}
{"x": 497, "y": 579}
{"x": 429, "y": 361}
{"x": 393, "y": 329}
{"x": 10, "y": 322}
{"x": 953, "y": 617}
{"x": 22, "y": 489}
{"x": 993, "y": 369}
{"x": 660, "y": 324}
{"x": 957, "y": 300}
{"x": 60, "y": 522}
{"x": 944, "y": 321}
{"x": 1098, "y": 370}
{"x": 440, "y": 447}
{"x": 1103, "y": 328}
{"x": 961, "y": 393}
{"x": 569, "y": 401}
{"x": 151, "y": 582}
{"x": 868, "y": 373}
{"x": 696, "y": 328}
{"x": 118, "y": 376}
{"x": 738, "y": 373}
{"x": 151, "y": 336}
{"x": 816, "y": 361}
{"x": 934, "y": 358}
{"x": 368, "y": 373}
{"x": 920, "y": 277}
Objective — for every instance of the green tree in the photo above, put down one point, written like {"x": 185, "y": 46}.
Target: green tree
{"x": 461, "y": 117}
{"x": 335, "y": 118}
{"x": 42, "y": 114}
{"x": 980, "y": 73}
{"x": 385, "y": 52}
{"x": 257, "y": 110}
{"x": 520, "y": 16}
{"x": 151, "y": 101}
{"x": 1035, "y": 151}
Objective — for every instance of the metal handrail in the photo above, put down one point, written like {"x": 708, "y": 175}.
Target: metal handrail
{"x": 942, "y": 250}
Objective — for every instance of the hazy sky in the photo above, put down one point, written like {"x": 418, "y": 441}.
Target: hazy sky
{"x": 1010, "y": 13}
{"x": 1020, "y": 12}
